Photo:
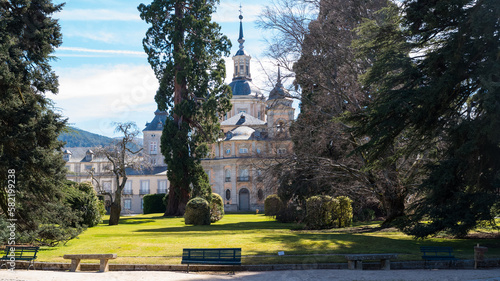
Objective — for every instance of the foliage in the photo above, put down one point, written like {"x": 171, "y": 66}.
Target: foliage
{"x": 197, "y": 212}
{"x": 216, "y": 208}
{"x": 320, "y": 212}
{"x": 153, "y": 203}
{"x": 365, "y": 214}
{"x": 436, "y": 88}
{"x": 290, "y": 213}
{"x": 272, "y": 205}
{"x": 82, "y": 198}
{"x": 185, "y": 50}
{"x": 343, "y": 213}
{"x": 31, "y": 163}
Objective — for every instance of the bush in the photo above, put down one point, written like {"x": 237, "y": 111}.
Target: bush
{"x": 82, "y": 198}
{"x": 291, "y": 213}
{"x": 153, "y": 203}
{"x": 320, "y": 212}
{"x": 216, "y": 208}
{"x": 366, "y": 214}
{"x": 343, "y": 213}
{"x": 272, "y": 205}
{"x": 197, "y": 212}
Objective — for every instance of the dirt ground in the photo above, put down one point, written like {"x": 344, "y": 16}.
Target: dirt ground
{"x": 286, "y": 275}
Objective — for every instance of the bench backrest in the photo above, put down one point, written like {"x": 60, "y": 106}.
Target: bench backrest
{"x": 436, "y": 250}
{"x": 214, "y": 254}
{"x": 20, "y": 252}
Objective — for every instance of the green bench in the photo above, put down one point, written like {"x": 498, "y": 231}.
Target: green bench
{"x": 219, "y": 256}
{"x": 437, "y": 253}
{"x": 19, "y": 253}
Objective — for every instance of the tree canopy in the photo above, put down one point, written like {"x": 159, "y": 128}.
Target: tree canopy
{"x": 185, "y": 50}
{"x": 436, "y": 87}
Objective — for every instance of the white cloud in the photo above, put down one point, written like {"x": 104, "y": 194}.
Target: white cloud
{"x": 101, "y": 36}
{"x": 97, "y": 15}
{"x": 97, "y": 51}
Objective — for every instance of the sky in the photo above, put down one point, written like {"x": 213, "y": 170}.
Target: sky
{"x": 103, "y": 71}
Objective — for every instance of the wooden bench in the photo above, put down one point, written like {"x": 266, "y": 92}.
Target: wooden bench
{"x": 355, "y": 261}
{"x": 437, "y": 253}
{"x": 222, "y": 256}
{"x": 19, "y": 253}
{"x": 104, "y": 258}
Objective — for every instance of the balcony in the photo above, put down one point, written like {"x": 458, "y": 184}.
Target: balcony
{"x": 244, "y": 179}
{"x": 228, "y": 179}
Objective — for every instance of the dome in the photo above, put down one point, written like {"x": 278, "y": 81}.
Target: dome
{"x": 244, "y": 87}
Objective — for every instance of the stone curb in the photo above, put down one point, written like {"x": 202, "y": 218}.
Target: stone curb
{"x": 460, "y": 264}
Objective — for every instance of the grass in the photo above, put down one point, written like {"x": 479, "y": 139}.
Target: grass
{"x": 153, "y": 239}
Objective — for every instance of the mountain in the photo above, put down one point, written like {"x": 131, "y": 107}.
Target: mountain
{"x": 75, "y": 137}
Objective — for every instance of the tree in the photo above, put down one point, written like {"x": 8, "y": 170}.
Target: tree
{"x": 32, "y": 170}
{"x": 122, "y": 157}
{"x": 436, "y": 86}
{"x": 184, "y": 49}
{"x": 327, "y": 75}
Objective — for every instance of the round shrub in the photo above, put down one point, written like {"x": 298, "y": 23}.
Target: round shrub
{"x": 216, "y": 208}
{"x": 320, "y": 212}
{"x": 272, "y": 205}
{"x": 197, "y": 212}
{"x": 153, "y": 203}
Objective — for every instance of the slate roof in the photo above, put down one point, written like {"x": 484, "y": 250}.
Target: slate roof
{"x": 158, "y": 121}
{"x": 242, "y": 119}
{"x": 157, "y": 170}
{"x": 240, "y": 133}
{"x": 244, "y": 87}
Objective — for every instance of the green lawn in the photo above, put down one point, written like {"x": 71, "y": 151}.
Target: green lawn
{"x": 153, "y": 239}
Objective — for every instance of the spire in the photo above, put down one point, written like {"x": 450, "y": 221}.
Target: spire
{"x": 279, "y": 75}
{"x": 241, "y": 39}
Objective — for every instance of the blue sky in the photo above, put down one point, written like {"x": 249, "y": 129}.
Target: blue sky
{"x": 103, "y": 71}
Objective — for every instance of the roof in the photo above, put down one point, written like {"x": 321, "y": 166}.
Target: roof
{"x": 78, "y": 154}
{"x": 240, "y": 133}
{"x": 158, "y": 121}
{"x": 242, "y": 119}
{"x": 244, "y": 87}
{"x": 157, "y": 170}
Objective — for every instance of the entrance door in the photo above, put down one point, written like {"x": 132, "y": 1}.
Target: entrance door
{"x": 244, "y": 200}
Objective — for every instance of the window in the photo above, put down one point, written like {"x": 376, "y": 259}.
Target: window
{"x": 153, "y": 147}
{"x": 260, "y": 194}
{"x": 242, "y": 110}
{"x": 228, "y": 194}
{"x": 127, "y": 204}
{"x": 106, "y": 186}
{"x": 77, "y": 168}
{"x": 162, "y": 186}
{"x": 68, "y": 167}
{"x": 144, "y": 186}
{"x": 227, "y": 173}
{"x": 243, "y": 150}
{"x": 142, "y": 203}
{"x": 88, "y": 167}
{"x": 228, "y": 151}
{"x": 153, "y": 161}
{"x": 244, "y": 175}
{"x": 281, "y": 150}
{"x": 258, "y": 150}
{"x": 259, "y": 115}
{"x": 128, "y": 187}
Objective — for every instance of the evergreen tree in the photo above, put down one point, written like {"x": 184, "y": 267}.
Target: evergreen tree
{"x": 185, "y": 50}
{"x": 32, "y": 170}
{"x": 436, "y": 85}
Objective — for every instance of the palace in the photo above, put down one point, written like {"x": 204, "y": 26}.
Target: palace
{"x": 255, "y": 130}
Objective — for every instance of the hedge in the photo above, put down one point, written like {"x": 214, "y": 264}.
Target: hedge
{"x": 153, "y": 203}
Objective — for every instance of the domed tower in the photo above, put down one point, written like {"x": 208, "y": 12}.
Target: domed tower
{"x": 280, "y": 112}
{"x": 247, "y": 98}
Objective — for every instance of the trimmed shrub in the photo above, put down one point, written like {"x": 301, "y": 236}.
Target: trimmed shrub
{"x": 343, "y": 213}
{"x": 197, "y": 212}
{"x": 320, "y": 212}
{"x": 291, "y": 213}
{"x": 153, "y": 203}
{"x": 272, "y": 205}
{"x": 216, "y": 208}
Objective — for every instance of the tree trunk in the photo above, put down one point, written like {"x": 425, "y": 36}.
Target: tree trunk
{"x": 176, "y": 204}
{"x": 394, "y": 204}
{"x": 116, "y": 209}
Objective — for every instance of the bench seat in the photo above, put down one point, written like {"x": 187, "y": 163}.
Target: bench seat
{"x": 76, "y": 258}
{"x": 217, "y": 256}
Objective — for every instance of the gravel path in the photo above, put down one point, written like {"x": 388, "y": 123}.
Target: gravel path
{"x": 286, "y": 275}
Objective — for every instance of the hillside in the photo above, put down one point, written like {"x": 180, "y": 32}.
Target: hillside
{"x": 79, "y": 138}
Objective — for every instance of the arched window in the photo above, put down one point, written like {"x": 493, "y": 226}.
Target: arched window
{"x": 260, "y": 194}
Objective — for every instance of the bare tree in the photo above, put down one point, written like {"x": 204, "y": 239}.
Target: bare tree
{"x": 122, "y": 157}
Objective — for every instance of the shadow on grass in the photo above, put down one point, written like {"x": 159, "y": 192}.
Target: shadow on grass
{"x": 216, "y": 227}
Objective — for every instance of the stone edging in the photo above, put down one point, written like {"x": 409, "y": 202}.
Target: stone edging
{"x": 460, "y": 264}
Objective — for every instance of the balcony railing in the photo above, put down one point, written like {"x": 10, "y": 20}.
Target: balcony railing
{"x": 228, "y": 179}
{"x": 127, "y": 191}
{"x": 244, "y": 179}
{"x": 144, "y": 191}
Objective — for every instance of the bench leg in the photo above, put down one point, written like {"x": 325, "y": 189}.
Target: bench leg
{"x": 359, "y": 265}
{"x": 104, "y": 266}
{"x": 75, "y": 265}
{"x": 350, "y": 264}
{"x": 385, "y": 264}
